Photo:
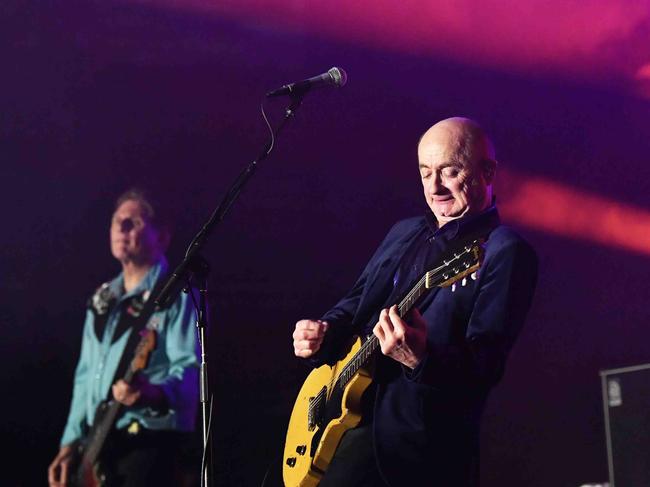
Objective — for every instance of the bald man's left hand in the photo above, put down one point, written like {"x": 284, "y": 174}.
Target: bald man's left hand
{"x": 403, "y": 342}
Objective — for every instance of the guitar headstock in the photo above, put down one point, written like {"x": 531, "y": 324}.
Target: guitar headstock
{"x": 145, "y": 346}
{"x": 461, "y": 263}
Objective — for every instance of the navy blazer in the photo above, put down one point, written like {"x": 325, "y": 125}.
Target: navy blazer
{"x": 426, "y": 420}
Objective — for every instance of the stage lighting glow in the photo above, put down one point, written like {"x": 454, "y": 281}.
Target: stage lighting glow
{"x": 562, "y": 210}
{"x": 591, "y": 39}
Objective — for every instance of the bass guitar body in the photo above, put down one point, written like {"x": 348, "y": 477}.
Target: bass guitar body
{"x": 87, "y": 475}
{"x": 87, "y": 471}
{"x": 322, "y": 413}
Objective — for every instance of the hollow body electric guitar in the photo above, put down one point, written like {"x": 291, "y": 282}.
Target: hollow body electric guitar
{"x": 86, "y": 471}
{"x": 329, "y": 402}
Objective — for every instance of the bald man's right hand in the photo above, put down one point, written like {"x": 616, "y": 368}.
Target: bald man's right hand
{"x": 308, "y": 337}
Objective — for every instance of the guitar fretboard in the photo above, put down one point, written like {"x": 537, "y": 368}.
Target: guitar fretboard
{"x": 436, "y": 277}
{"x": 372, "y": 342}
{"x": 102, "y": 427}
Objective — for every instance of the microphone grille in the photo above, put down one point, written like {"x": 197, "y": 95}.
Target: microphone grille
{"x": 339, "y": 76}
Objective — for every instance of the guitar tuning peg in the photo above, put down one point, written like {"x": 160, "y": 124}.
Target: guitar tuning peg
{"x": 453, "y": 287}
{"x": 474, "y": 275}
{"x": 463, "y": 282}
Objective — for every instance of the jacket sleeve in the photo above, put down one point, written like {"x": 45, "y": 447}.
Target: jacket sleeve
{"x": 340, "y": 319}
{"x": 342, "y": 316}
{"x": 506, "y": 286}
{"x": 180, "y": 385}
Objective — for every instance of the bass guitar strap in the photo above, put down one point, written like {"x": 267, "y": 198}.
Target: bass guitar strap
{"x": 134, "y": 315}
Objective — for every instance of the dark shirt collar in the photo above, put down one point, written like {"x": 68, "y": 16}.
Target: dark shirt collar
{"x": 469, "y": 226}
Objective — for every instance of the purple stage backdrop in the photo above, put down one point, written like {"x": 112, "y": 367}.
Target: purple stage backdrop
{"x": 99, "y": 96}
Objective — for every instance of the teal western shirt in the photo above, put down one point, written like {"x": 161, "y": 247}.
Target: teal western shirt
{"x": 173, "y": 364}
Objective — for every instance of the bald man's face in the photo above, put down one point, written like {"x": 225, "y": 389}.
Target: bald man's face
{"x": 454, "y": 177}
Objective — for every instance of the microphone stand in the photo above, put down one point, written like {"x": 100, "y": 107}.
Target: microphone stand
{"x": 195, "y": 265}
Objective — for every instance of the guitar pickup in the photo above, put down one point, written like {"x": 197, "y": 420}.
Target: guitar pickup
{"x": 316, "y": 405}
{"x": 311, "y": 423}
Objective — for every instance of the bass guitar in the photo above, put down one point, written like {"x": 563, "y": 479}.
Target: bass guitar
{"x": 329, "y": 402}
{"x": 86, "y": 471}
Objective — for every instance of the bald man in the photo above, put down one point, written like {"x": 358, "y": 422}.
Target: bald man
{"x": 421, "y": 415}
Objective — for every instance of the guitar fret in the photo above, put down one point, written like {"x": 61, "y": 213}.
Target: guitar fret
{"x": 431, "y": 278}
{"x": 356, "y": 362}
{"x": 428, "y": 280}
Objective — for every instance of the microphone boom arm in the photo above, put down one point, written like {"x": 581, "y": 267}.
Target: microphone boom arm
{"x": 193, "y": 262}
{"x": 194, "y": 265}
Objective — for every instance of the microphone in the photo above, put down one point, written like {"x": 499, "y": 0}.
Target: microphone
{"x": 334, "y": 77}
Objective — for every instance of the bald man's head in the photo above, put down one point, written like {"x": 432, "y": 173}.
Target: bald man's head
{"x": 470, "y": 136}
{"x": 457, "y": 168}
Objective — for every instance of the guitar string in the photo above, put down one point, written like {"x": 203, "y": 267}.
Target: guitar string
{"x": 362, "y": 354}
{"x": 370, "y": 342}
{"x": 405, "y": 304}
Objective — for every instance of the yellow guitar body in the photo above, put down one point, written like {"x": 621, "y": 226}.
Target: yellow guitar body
{"x": 304, "y": 463}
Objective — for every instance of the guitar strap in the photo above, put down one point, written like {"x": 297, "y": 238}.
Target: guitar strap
{"x": 135, "y": 314}
{"x": 136, "y": 319}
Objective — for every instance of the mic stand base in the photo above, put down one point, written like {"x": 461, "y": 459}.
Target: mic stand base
{"x": 201, "y": 271}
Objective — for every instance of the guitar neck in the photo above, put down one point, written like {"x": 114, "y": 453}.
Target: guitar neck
{"x": 100, "y": 432}
{"x": 102, "y": 426}
{"x": 460, "y": 263}
{"x": 108, "y": 410}
{"x": 371, "y": 344}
